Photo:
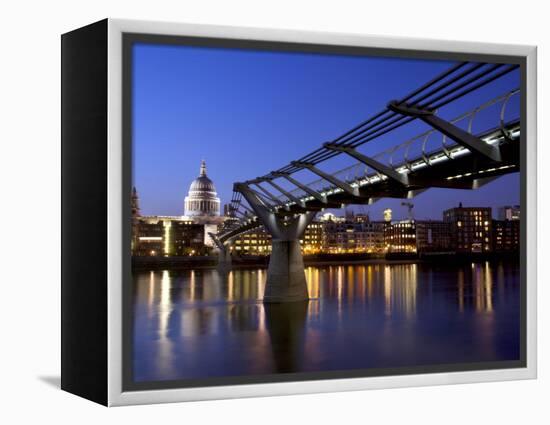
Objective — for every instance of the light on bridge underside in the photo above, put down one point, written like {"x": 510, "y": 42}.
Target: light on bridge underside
{"x": 489, "y": 170}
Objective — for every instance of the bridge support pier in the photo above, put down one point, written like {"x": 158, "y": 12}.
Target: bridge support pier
{"x": 224, "y": 258}
{"x": 286, "y": 279}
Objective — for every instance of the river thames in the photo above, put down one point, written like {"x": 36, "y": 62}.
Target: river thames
{"x": 202, "y": 323}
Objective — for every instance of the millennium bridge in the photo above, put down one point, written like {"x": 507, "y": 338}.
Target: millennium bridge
{"x": 453, "y": 154}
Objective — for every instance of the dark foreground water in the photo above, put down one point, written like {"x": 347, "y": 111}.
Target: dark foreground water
{"x": 201, "y": 323}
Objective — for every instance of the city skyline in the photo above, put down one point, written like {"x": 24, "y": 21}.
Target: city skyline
{"x": 183, "y": 113}
{"x": 459, "y": 230}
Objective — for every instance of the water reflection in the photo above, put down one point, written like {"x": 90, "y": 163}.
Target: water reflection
{"x": 476, "y": 288}
{"x": 286, "y": 327}
{"x": 201, "y": 323}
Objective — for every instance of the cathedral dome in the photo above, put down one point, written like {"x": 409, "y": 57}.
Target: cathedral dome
{"x": 202, "y": 183}
{"x": 202, "y": 200}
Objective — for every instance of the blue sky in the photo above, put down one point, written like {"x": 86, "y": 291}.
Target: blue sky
{"x": 248, "y": 112}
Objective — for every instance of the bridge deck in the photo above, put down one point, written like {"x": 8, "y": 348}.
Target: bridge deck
{"x": 454, "y": 167}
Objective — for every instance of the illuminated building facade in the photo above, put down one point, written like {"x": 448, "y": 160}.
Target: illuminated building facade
{"x": 471, "y": 227}
{"x": 255, "y": 242}
{"x": 506, "y": 235}
{"x": 329, "y": 236}
{"x": 353, "y": 237}
{"x": 312, "y": 242}
{"x": 434, "y": 236}
{"x": 149, "y": 239}
{"x": 167, "y": 236}
{"x": 258, "y": 241}
{"x": 187, "y": 238}
{"x": 400, "y": 237}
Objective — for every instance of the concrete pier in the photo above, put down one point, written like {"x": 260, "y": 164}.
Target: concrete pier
{"x": 224, "y": 258}
{"x": 286, "y": 279}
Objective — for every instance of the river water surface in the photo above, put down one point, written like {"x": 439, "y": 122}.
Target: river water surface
{"x": 203, "y": 323}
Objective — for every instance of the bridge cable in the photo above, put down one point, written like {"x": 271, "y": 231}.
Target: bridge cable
{"x": 322, "y": 154}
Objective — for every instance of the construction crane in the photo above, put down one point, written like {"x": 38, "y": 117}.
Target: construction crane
{"x": 410, "y": 207}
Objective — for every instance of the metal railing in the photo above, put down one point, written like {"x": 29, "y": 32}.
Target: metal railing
{"x": 399, "y": 157}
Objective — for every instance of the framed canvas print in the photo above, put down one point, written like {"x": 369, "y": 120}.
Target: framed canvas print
{"x": 253, "y": 212}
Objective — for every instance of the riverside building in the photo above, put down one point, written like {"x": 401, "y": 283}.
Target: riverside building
{"x": 471, "y": 227}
